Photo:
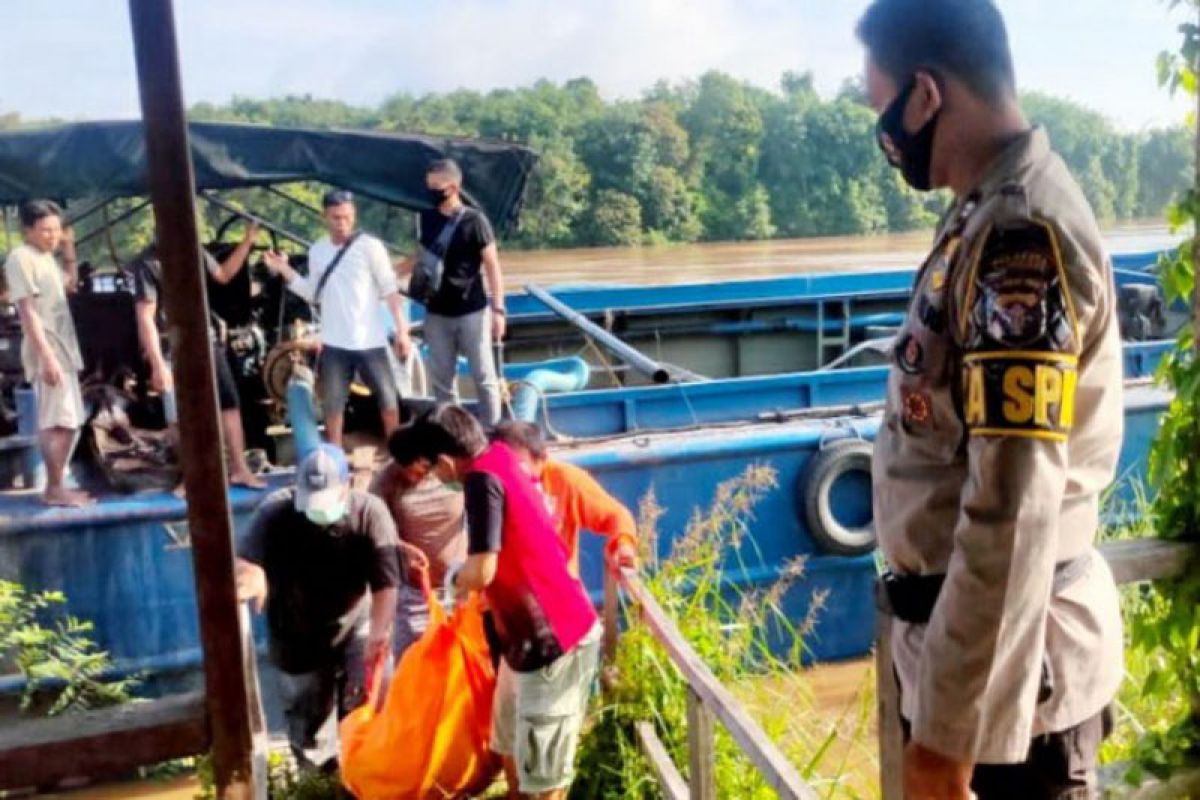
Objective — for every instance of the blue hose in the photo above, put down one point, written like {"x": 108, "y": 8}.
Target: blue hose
{"x": 302, "y": 412}
{"x": 546, "y": 377}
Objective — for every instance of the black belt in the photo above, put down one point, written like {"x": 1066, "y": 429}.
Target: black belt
{"x": 912, "y": 597}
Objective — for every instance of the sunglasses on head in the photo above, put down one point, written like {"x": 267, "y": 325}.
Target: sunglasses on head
{"x": 337, "y": 197}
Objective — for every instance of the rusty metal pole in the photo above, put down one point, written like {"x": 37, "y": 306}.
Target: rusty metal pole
{"x": 172, "y": 190}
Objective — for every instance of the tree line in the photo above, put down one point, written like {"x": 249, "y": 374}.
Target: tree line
{"x": 714, "y": 158}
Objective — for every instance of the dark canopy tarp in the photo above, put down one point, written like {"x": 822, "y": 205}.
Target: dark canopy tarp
{"x": 108, "y": 159}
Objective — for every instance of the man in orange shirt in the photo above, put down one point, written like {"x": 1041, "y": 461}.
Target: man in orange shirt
{"x": 575, "y": 498}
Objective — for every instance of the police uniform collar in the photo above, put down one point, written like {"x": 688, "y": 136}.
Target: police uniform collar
{"x": 1022, "y": 151}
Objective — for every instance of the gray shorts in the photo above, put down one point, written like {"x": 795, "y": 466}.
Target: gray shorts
{"x": 336, "y": 368}
{"x": 537, "y": 716}
{"x": 60, "y": 406}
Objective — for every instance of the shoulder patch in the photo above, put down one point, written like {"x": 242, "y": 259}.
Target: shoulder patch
{"x": 1020, "y": 337}
{"x": 1018, "y": 295}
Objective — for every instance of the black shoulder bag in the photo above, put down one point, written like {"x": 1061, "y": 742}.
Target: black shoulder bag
{"x": 427, "y": 274}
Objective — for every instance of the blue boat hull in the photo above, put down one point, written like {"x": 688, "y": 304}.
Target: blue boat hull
{"x": 683, "y": 470}
{"x": 125, "y": 565}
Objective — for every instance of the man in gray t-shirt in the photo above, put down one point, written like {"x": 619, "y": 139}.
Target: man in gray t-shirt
{"x": 49, "y": 348}
{"x": 324, "y": 561}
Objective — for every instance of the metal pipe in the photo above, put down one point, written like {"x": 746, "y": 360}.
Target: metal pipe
{"x": 391, "y": 248}
{"x": 635, "y": 358}
{"x": 232, "y": 209}
{"x": 109, "y": 223}
{"x": 75, "y": 219}
{"x": 238, "y": 759}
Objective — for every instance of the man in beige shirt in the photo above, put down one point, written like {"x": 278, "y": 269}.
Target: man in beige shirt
{"x": 1002, "y": 427}
{"x": 49, "y": 349}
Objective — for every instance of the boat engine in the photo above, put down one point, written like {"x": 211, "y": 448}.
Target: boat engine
{"x": 1142, "y": 312}
{"x": 11, "y": 371}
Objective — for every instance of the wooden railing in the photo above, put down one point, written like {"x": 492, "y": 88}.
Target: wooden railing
{"x": 707, "y": 701}
{"x": 1131, "y": 562}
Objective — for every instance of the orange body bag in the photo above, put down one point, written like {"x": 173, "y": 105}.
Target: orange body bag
{"x": 430, "y": 738}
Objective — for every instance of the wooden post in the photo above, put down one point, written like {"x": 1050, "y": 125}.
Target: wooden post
{"x": 887, "y": 698}
{"x": 611, "y": 607}
{"x": 702, "y": 779}
{"x": 172, "y": 190}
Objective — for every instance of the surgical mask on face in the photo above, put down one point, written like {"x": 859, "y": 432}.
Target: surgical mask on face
{"x": 911, "y": 153}
{"x": 325, "y": 517}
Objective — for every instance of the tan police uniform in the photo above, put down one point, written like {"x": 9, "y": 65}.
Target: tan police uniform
{"x": 1002, "y": 427}
{"x": 34, "y": 274}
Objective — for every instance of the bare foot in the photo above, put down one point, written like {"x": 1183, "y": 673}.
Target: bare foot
{"x": 247, "y": 480}
{"x": 67, "y": 498}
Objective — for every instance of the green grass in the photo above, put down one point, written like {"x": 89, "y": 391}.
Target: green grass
{"x": 731, "y": 631}
{"x": 1152, "y": 698}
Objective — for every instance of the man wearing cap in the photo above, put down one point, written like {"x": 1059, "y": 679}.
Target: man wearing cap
{"x": 312, "y": 555}
{"x": 348, "y": 275}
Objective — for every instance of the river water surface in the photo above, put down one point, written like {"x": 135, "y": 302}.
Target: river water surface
{"x": 724, "y": 261}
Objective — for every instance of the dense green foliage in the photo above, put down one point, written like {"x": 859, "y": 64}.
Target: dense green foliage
{"x": 708, "y": 159}
{"x": 63, "y": 670}
{"x": 732, "y": 632}
{"x": 1164, "y": 626}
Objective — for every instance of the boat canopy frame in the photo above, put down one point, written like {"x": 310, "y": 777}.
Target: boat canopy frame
{"x": 107, "y": 160}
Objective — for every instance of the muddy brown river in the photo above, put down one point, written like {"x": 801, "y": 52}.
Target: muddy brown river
{"x": 730, "y": 261}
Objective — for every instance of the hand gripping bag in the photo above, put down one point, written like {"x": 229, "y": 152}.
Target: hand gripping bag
{"x": 430, "y": 738}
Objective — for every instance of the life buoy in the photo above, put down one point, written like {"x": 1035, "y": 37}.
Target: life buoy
{"x": 816, "y": 484}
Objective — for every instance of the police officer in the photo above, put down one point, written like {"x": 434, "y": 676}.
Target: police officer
{"x": 1002, "y": 426}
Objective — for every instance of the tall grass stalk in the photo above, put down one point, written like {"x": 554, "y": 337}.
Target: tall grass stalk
{"x": 749, "y": 642}
{"x": 1153, "y": 696}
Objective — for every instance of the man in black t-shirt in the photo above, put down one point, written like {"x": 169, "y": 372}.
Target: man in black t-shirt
{"x": 325, "y": 561}
{"x": 146, "y": 271}
{"x": 461, "y": 319}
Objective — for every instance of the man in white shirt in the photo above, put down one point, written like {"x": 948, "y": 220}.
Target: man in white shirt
{"x": 349, "y": 273}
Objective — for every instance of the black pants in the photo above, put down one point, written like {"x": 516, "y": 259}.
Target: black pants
{"x": 1060, "y": 766}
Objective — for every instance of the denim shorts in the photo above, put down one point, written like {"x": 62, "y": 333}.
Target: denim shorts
{"x": 336, "y": 369}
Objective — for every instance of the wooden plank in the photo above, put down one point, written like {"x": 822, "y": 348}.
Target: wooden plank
{"x": 758, "y": 747}
{"x": 258, "y": 719}
{"x": 673, "y": 786}
{"x": 887, "y": 698}
{"x": 608, "y": 667}
{"x": 1149, "y": 559}
{"x": 702, "y": 778}
{"x": 102, "y": 743}
{"x": 172, "y": 189}
{"x": 611, "y": 622}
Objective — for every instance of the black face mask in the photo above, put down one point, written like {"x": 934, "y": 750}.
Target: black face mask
{"x": 438, "y": 196}
{"x": 911, "y": 153}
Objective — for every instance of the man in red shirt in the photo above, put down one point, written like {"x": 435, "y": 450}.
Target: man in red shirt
{"x": 548, "y": 630}
{"x": 575, "y": 499}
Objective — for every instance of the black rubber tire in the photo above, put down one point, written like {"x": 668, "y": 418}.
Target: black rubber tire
{"x": 816, "y": 481}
